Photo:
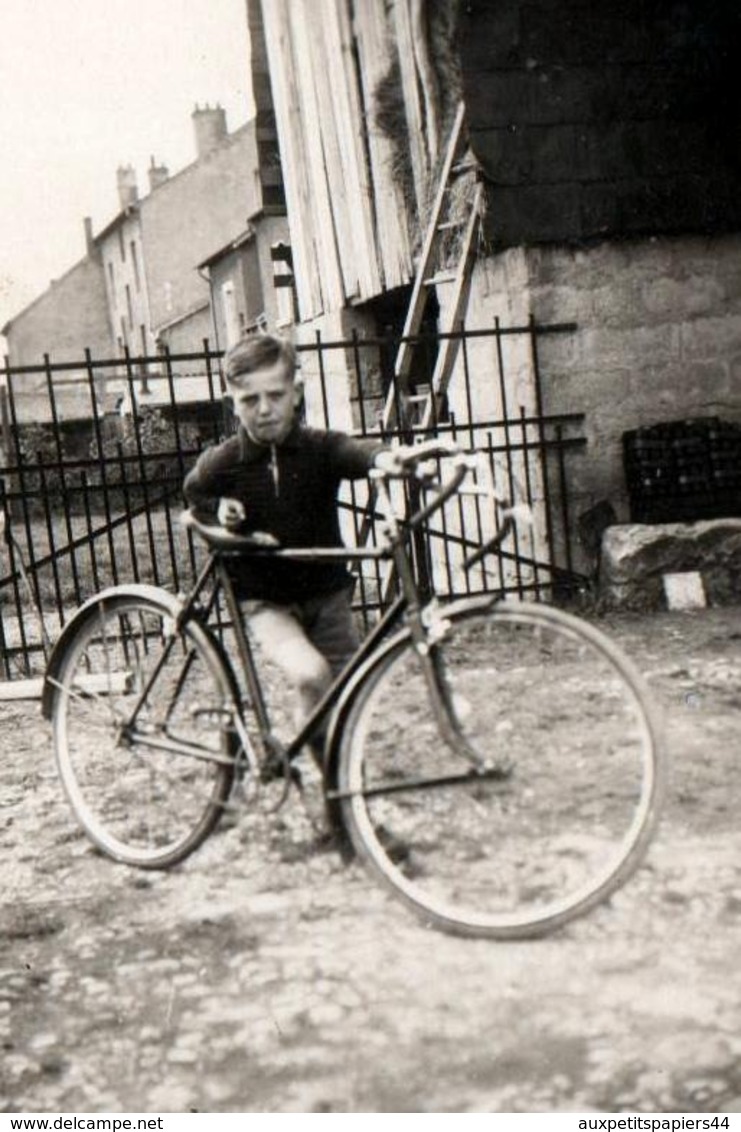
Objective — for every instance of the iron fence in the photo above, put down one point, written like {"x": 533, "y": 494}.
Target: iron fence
{"x": 94, "y": 454}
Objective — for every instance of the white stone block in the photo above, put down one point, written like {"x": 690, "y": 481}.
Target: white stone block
{"x": 685, "y": 590}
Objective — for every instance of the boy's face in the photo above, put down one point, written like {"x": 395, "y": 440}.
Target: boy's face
{"x": 266, "y": 402}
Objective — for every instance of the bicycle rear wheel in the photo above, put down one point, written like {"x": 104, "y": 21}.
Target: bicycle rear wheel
{"x": 563, "y": 804}
{"x": 147, "y": 795}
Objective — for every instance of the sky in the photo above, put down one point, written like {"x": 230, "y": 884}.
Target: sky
{"x": 86, "y": 86}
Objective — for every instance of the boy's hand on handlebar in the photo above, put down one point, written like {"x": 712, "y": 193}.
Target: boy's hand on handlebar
{"x": 263, "y": 538}
{"x": 394, "y": 461}
{"x": 415, "y": 459}
{"x": 230, "y": 513}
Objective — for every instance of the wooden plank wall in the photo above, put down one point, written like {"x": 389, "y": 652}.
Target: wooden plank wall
{"x": 412, "y": 101}
{"x": 349, "y": 222}
{"x": 283, "y": 81}
{"x": 374, "y": 39}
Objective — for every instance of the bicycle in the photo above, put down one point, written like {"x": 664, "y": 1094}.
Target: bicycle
{"x": 495, "y": 763}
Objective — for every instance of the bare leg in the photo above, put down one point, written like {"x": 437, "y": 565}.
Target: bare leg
{"x": 284, "y": 642}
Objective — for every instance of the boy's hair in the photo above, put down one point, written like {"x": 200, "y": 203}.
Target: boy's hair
{"x": 257, "y": 352}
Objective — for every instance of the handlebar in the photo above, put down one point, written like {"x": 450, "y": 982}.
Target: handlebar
{"x": 466, "y": 462}
{"x": 414, "y": 455}
{"x": 409, "y": 463}
{"x": 221, "y": 538}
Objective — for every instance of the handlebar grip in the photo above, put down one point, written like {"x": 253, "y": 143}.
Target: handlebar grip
{"x": 221, "y": 538}
{"x": 429, "y": 448}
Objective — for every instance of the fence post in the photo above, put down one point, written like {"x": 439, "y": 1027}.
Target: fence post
{"x": 5, "y": 424}
{"x": 11, "y": 453}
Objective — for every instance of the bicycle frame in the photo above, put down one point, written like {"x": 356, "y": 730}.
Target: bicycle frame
{"x": 406, "y": 603}
{"x": 456, "y": 698}
{"x": 407, "y": 607}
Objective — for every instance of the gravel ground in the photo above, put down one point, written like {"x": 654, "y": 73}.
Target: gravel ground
{"x": 264, "y": 975}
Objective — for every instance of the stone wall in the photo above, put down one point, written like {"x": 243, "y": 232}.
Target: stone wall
{"x": 330, "y": 374}
{"x": 658, "y": 337}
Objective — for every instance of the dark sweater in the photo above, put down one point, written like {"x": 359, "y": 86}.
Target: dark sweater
{"x": 289, "y": 490}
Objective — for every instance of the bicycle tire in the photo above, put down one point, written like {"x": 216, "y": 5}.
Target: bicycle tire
{"x": 141, "y": 805}
{"x": 564, "y": 814}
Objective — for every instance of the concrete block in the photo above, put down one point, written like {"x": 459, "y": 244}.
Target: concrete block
{"x": 636, "y": 558}
{"x": 685, "y": 590}
{"x": 711, "y": 337}
{"x": 680, "y": 298}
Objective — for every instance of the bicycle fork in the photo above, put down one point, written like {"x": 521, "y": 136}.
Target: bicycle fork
{"x": 445, "y": 701}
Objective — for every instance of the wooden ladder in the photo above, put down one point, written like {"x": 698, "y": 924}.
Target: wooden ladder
{"x": 406, "y": 410}
{"x": 403, "y": 408}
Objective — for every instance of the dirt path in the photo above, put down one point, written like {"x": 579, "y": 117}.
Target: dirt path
{"x": 266, "y": 976}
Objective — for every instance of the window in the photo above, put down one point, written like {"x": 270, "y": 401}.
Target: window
{"x": 135, "y": 265}
{"x": 122, "y": 245}
{"x": 129, "y": 309}
{"x": 229, "y": 306}
{"x": 112, "y": 281}
{"x": 143, "y": 367}
{"x": 258, "y": 325}
{"x": 284, "y": 283}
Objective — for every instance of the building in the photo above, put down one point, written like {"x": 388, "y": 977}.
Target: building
{"x": 143, "y": 285}
{"x": 151, "y": 250}
{"x": 121, "y": 250}
{"x": 606, "y": 137}
{"x": 72, "y": 310}
{"x": 245, "y": 274}
{"x": 242, "y": 277}
{"x": 139, "y": 286}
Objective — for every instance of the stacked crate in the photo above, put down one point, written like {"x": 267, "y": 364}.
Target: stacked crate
{"x": 680, "y": 471}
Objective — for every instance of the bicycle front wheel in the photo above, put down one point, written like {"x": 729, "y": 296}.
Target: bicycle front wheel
{"x": 146, "y": 792}
{"x": 533, "y": 795}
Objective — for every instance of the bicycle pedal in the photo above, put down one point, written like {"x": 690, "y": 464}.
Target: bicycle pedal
{"x": 274, "y": 769}
{"x": 500, "y": 772}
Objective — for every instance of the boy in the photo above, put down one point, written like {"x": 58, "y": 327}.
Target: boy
{"x": 279, "y": 477}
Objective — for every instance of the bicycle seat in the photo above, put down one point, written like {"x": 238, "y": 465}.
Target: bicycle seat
{"x": 221, "y": 538}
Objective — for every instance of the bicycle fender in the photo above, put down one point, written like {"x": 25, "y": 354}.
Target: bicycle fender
{"x": 344, "y": 704}
{"x": 170, "y": 602}
{"x": 338, "y": 719}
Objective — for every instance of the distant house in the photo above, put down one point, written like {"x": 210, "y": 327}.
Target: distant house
{"x": 250, "y": 278}
{"x": 73, "y": 310}
{"x": 242, "y": 276}
{"x": 122, "y": 252}
{"x": 607, "y": 138}
{"x": 72, "y": 313}
{"x": 142, "y": 267}
{"x": 157, "y": 295}
{"x": 143, "y": 284}
{"x": 187, "y": 218}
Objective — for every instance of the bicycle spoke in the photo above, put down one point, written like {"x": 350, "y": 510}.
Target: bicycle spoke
{"x": 566, "y": 809}
{"x": 142, "y": 802}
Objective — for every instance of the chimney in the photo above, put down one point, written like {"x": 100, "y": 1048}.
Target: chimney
{"x": 89, "y": 245}
{"x": 210, "y": 127}
{"x": 158, "y": 174}
{"x": 128, "y": 193}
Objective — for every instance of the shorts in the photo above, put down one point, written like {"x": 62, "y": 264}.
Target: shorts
{"x": 326, "y": 621}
